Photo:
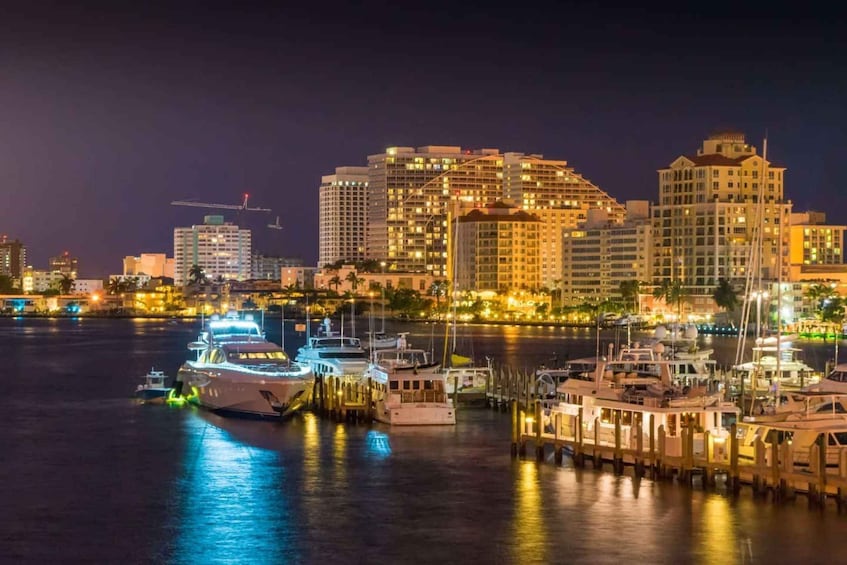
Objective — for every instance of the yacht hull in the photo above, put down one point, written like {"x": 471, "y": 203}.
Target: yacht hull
{"x": 230, "y": 393}
{"x": 412, "y": 415}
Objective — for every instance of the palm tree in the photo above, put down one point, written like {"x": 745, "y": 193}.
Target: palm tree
{"x": 673, "y": 292}
{"x": 629, "y": 293}
{"x": 66, "y": 284}
{"x": 335, "y": 281}
{"x": 115, "y": 286}
{"x": 354, "y": 280}
{"x": 818, "y": 295}
{"x": 725, "y": 296}
{"x": 438, "y": 289}
{"x": 196, "y": 274}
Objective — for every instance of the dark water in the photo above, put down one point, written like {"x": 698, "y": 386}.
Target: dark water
{"x": 89, "y": 476}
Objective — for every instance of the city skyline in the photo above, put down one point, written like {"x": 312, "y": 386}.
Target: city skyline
{"x": 110, "y": 114}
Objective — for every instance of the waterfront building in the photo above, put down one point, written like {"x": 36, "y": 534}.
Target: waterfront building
{"x": 602, "y": 253}
{"x": 12, "y": 258}
{"x": 153, "y": 265}
{"x": 706, "y": 220}
{"x": 409, "y": 191}
{"x": 64, "y": 264}
{"x": 38, "y": 281}
{"x": 497, "y": 249}
{"x": 341, "y": 281}
{"x": 268, "y": 268}
{"x": 814, "y": 242}
{"x": 560, "y": 197}
{"x": 221, "y": 249}
{"x": 87, "y": 287}
{"x": 297, "y": 277}
{"x": 343, "y": 215}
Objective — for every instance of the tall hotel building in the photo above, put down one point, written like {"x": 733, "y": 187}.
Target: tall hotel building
{"x": 343, "y": 215}
{"x": 601, "y": 254}
{"x": 409, "y": 194}
{"x": 497, "y": 249}
{"x": 409, "y": 191}
{"x": 560, "y": 198}
{"x": 220, "y": 248}
{"x": 706, "y": 221}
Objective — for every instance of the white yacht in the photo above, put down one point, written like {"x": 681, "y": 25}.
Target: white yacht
{"x": 774, "y": 365}
{"x": 409, "y": 389}
{"x": 835, "y": 381}
{"x": 237, "y": 371}
{"x": 334, "y": 356}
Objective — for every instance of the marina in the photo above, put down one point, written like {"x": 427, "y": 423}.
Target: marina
{"x": 309, "y": 488}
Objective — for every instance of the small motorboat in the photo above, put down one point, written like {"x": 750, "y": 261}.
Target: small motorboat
{"x": 154, "y": 390}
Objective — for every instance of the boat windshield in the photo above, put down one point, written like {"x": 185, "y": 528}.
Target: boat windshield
{"x": 231, "y": 328}
{"x": 342, "y": 355}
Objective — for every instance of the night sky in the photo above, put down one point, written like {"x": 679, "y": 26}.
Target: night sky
{"x": 109, "y": 113}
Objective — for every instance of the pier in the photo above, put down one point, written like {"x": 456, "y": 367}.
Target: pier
{"x": 776, "y": 469}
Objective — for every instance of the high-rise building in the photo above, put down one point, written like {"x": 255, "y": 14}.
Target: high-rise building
{"x": 560, "y": 197}
{"x": 409, "y": 191}
{"x": 708, "y": 223}
{"x": 497, "y": 249}
{"x": 343, "y": 215}
{"x": 220, "y": 248}
{"x": 12, "y": 258}
{"x": 64, "y": 264}
{"x": 601, "y": 254}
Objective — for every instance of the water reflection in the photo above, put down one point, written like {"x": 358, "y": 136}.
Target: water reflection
{"x": 228, "y": 505}
{"x": 529, "y": 532}
{"x": 716, "y": 540}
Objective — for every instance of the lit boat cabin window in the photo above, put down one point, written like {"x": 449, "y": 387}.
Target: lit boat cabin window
{"x": 243, "y": 355}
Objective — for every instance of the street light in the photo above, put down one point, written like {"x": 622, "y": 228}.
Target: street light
{"x": 759, "y": 295}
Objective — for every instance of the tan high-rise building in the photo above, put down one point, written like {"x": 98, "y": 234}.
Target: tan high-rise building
{"x": 560, "y": 197}
{"x": 498, "y": 249}
{"x": 220, "y": 248}
{"x": 343, "y": 215}
{"x": 706, "y": 221}
{"x": 409, "y": 191}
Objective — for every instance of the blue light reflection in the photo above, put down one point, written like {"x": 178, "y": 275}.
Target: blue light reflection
{"x": 230, "y": 508}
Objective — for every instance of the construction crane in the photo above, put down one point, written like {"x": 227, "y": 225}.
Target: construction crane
{"x": 275, "y": 226}
{"x": 240, "y": 207}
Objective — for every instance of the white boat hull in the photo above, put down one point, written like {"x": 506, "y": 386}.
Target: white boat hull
{"x": 410, "y": 414}
{"x": 248, "y": 396}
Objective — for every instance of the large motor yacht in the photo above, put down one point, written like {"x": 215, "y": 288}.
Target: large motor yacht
{"x": 237, "y": 371}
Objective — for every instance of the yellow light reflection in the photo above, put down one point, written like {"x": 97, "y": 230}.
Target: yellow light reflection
{"x": 717, "y": 540}
{"x": 529, "y": 528}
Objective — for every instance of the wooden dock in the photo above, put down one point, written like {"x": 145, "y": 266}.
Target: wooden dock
{"x": 773, "y": 471}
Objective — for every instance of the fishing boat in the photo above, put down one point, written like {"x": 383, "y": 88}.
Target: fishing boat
{"x": 239, "y": 372}
{"x": 467, "y": 384}
{"x": 409, "y": 389}
{"x": 153, "y": 390}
